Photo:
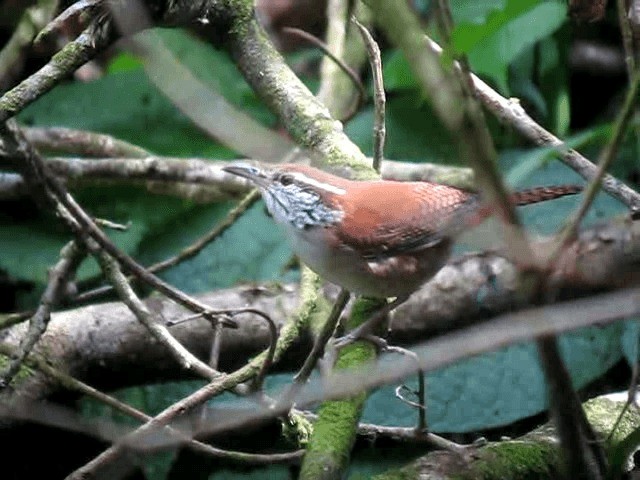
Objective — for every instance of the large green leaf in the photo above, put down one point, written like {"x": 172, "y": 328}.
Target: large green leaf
{"x": 397, "y": 74}
{"x": 254, "y": 248}
{"x": 413, "y": 131}
{"x": 473, "y": 11}
{"x": 499, "y": 387}
{"x": 467, "y": 35}
{"x": 502, "y": 45}
{"x": 30, "y": 246}
{"x": 631, "y": 341}
{"x": 125, "y": 104}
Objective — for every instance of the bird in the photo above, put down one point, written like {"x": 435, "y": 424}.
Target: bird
{"x": 377, "y": 238}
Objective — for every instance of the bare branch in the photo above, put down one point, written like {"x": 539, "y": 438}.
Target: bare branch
{"x": 159, "y": 174}
{"x": 73, "y": 55}
{"x": 121, "y": 285}
{"x": 81, "y": 142}
{"x": 70, "y": 258}
{"x": 336, "y": 90}
{"x": 15, "y": 50}
{"x": 606, "y": 157}
{"x": 510, "y": 112}
{"x": 345, "y": 68}
{"x": 379, "y": 98}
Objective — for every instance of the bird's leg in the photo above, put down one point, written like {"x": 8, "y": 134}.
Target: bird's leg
{"x": 371, "y": 325}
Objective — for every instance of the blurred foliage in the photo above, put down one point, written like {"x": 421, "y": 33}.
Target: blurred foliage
{"x": 519, "y": 46}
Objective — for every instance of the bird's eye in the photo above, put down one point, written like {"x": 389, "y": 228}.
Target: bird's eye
{"x": 286, "y": 179}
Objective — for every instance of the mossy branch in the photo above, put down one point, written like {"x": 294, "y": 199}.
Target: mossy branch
{"x": 334, "y": 432}
{"x": 533, "y": 456}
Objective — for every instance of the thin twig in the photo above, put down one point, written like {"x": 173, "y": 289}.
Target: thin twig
{"x": 384, "y": 346}
{"x": 400, "y": 396}
{"x": 188, "y": 252}
{"x": 71, "y": 256}
{"x": 233, "y": 312}
{"x": 273, "y": 335}
{"x": 372, "y": 324}
{"x": 362, "y": 94}
{"x": 325, "y": 334}
{"x": 120, "y": 227}
{"x": 410, "y": 435}
{"x": 510, "y": 112}
{"x": 36, "y": 362}
{"x": 11, "y": 319}
{"x": 160, "y": 332}
{"x": 444, "y": 19}
{"x": 606, "y": 158}
{"x": 216, "y": 345}
{"x": 223, "y": 383}
{"x": 336, "y": 90}
{"x": 271, "y": 350}
{"x": 421, "y": 405}
{"x": 379, "y": 99}
{"x": 401, "y": 434}
{"x": 632, "y": 391}
{"x": 627, "y": 38}
{"x": 627, "y": 404}
{"x": 75, "y": 10}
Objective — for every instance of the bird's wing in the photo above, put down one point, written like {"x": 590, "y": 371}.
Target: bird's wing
{"x": 417, "y": 215}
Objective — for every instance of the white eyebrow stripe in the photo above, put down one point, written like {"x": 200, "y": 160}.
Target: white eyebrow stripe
{"x": 324, "y": 186}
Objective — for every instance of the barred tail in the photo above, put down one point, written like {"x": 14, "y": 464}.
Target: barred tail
{"x": 542, "y": 194}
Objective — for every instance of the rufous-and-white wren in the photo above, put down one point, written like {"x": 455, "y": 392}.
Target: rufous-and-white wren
{"x": 378, "y": 238}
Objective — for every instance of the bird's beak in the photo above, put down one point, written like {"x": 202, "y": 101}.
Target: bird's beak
{"x": 250, "y": 172}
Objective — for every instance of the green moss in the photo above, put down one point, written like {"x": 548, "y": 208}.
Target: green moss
{"x": 362, "y": 310}
{"x": 516, "y": 460}
{"x": 319, "y": 316}
{"x": 296, "y": 429}
{"x": 23, "y": 373}
{"x": 242, "y": 12}
{"x": 335, "y": 430}
{"x": 357, "y": 354}
{"x": 72, "y": 54}
{"x": 604, "y": 413}
{"x": 410, "y": 472}
{"x": 333, "y": 436}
